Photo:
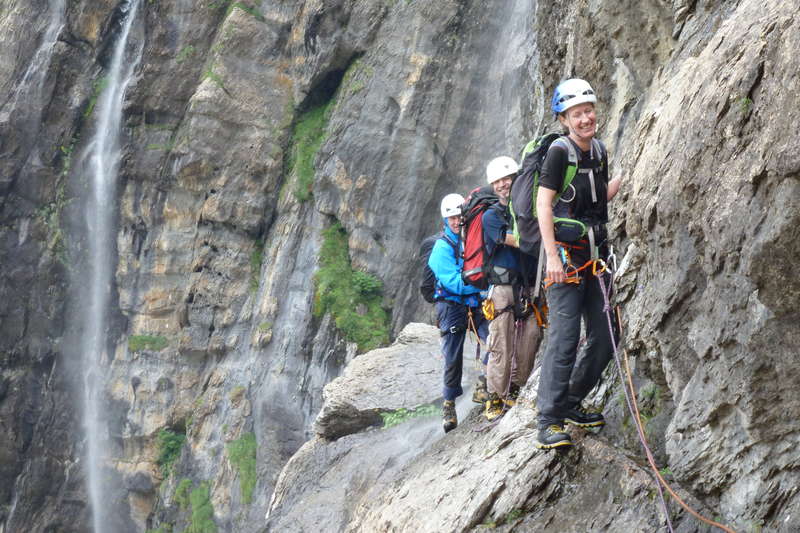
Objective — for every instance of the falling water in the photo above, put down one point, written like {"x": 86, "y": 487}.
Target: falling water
{"x": 102, "y": 155}
{"x": 31, "y": 86}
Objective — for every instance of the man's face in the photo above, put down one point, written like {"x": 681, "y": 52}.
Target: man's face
{"x": 454, "y": 222}
{"x": 502, "y": 188}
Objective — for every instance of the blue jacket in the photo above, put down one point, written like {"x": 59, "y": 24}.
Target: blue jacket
{"x": 447, "y": 266}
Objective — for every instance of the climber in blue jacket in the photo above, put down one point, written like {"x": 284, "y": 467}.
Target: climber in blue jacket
{"x": 455, "y": 301}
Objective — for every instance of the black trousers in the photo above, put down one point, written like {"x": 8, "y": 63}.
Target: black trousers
{"x": 565, "y": 378}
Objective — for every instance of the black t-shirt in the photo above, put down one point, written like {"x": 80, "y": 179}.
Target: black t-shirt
{"x": 577, "y": 202}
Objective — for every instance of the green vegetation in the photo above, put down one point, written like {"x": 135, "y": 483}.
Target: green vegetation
{"x": 242, "y": 454}
{"x": 250, "y": 10}
{"x": 264, "y": 327}
{"x": 154, "y": 343}
{"x": 513, "y": 514}
{"x": 185, "y": 53}
{"x": 237, "y": 392}
{"x": 307, "y": 138}
{"x": 202, "y": 519}
{"x": 182, "y": 493}
{"x": 256, "y": 259}
{"x": 163, "y": 147}
{"x": 97, "y": 89}
{"x": 665, "y": 471}
{"x": 231, "y": 5}
{"x": 354, "y": 80}
{"x": 163, "y": 528}
{"x": 649, "y": 402}
{"x": 393, "y": 418}
{"x": 355, "y": 305}
{"x": 169, "y": 449}
{"x": 214, "y": 77}
{"x": 745, "y": 104}
{"x": 49, "y": 216}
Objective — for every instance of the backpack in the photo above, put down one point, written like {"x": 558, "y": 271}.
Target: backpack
{"x": 477, "y": 262}
{"x": 428, "y": 286}
{"x": 526, "y": 186}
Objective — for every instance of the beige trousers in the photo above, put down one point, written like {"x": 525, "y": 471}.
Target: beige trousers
{"x": 501, "y": 344}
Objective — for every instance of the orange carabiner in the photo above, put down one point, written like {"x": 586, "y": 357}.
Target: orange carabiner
{"x": 595, "y": 271}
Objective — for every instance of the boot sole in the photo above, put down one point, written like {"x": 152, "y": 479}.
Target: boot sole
{"x": 551, "y": 446}
{"x": 585, "y": 424}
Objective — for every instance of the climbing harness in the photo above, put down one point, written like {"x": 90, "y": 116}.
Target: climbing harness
{"x": 572, "y": 272}
{"x": 519, "y": 317}
{"x": 630, "y": 399}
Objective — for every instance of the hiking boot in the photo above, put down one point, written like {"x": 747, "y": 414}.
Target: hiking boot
{"x": 580, "y": 417}
{"x": 494, "y": 407}
{"x": 513, "y": 396}
{"x": 480, "y": 394}
{"x": 449, "y": 417}
{"x": 553, "y": 436}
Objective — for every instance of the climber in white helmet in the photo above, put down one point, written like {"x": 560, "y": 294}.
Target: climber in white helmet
{"x": 514, "y": 334}
{"x": 454, "y": 300}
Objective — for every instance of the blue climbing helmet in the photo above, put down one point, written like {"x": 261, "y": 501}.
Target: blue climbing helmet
{"x": 571, "y": 93}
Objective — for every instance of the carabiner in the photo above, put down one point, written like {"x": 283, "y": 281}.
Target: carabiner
{"x": 595, "y": 271}
{"x": 612, "y": 259}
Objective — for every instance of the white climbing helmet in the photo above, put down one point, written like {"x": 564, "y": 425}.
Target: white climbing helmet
{"x": 500, "y": 167}
{"x": 451, "y": 205}
{"x": 571, "y": 93}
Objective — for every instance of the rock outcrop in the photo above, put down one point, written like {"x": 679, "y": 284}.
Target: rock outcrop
{"x": 407, "y": 375}
{"x": 412, "y": 477}
{"x": 219, "y": 342}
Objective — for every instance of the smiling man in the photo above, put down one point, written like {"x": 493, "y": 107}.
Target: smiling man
{"x": 513, "y": 331}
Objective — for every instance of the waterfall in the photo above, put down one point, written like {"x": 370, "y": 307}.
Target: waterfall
{"x": 102, "y": 156}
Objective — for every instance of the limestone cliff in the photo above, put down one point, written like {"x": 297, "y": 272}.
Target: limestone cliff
{"x": 258, "y": 138}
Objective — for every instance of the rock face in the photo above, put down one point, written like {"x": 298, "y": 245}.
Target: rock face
{"x": 406, "y": 375}
{"x": 216, "y": 335}
{"x": 412, "y": 477}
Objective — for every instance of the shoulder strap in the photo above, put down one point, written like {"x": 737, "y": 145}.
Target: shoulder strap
{"x": 453, "y": 245}
{"x": 599, "y": 148}
{"x": 572, "y": 165}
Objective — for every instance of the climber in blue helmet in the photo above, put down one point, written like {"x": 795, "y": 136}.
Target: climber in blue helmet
{"x": 455, "y": 301}
{"x": 573, "y": 230}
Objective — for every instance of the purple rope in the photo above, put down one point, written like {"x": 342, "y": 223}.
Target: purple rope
{"x": 639, "y": 430}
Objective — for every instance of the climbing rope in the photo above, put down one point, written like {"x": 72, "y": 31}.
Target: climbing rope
{"x": 630, "y": 398}
{"x": 473, "y": 330}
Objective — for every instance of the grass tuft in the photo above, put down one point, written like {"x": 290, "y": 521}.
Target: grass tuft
{"x": 242, "y": 454}
{"x": 153, "y": 343}
{"x": 307, "y": 138}
{"x": 394, "y": 418}
{"x": 353, "y": 298}
{"x": 169, "y": 449}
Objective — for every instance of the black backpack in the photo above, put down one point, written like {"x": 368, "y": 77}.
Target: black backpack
{"x": 428, "y": 285}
